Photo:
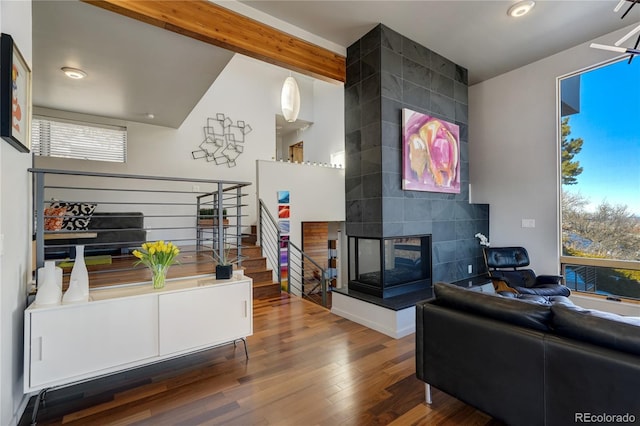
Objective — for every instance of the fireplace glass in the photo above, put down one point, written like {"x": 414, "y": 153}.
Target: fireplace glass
{"x": 392, "y": 266}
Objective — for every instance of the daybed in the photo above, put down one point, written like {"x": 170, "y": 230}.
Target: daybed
{"x": 116, "y": 232}
{"x": 527, "y": 363}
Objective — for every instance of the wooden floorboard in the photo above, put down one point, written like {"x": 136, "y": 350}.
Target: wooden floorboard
{"x": 306, "y": 367}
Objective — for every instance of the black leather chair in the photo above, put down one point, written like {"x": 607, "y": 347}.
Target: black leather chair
{"x": 503, "y": 265}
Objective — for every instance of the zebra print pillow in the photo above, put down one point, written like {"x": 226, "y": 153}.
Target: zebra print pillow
{"x": 78, "y": 215}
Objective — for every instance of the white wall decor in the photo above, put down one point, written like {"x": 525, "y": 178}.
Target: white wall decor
{"x": 223, "y": 141}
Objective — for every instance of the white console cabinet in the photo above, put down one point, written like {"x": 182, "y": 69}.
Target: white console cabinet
{"x": 128, "y": 327}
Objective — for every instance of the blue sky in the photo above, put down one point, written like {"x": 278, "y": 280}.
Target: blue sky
{"x": 609, "y": 124}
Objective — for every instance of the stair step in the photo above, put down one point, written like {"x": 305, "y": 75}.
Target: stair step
{"x": 254, "y": 264}
{"x": 249, "y": 251}
{"x": 261, "y": 276}
{"x": 266, "y": 290}
{"x": 249, "y": 239}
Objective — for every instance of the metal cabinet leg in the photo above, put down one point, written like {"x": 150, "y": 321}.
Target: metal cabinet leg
{"x": 427, "y": 393}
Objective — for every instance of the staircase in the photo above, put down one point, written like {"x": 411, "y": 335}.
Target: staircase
{"x": 255, "y": 267}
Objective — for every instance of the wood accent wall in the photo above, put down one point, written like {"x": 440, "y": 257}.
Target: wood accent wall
{"x": 314, "y": 243}
{"x": 213, "y": 24}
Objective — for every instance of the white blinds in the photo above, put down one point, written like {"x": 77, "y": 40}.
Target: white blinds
{"x": 53, "y": 137}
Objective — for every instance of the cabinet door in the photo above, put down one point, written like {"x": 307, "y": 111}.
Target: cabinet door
{"x": 75, "y": 342}
{"x": 205, "y": 317}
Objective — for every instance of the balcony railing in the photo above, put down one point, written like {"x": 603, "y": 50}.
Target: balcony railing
{"x": 618, "y": 278}
{"x": 113, "y": 214}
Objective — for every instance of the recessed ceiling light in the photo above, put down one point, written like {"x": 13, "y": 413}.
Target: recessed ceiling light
{"x": 521, "y": 8}
{"x": 73, "y": 73}
{"x": 150, "y": 115}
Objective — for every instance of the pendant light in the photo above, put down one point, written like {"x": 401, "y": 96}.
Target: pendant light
{"x": 290, "y": 99}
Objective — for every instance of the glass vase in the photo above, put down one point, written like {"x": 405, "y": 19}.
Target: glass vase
{"x": 159, "y": 276}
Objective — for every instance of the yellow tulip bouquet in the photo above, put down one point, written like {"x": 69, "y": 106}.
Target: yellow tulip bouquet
{"x": 157, "y": 256}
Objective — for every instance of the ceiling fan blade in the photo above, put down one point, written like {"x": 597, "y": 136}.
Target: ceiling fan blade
{"x": 619, "y": 5}
{"x": 628, "y": 36}
{"x": 607, "y": 47}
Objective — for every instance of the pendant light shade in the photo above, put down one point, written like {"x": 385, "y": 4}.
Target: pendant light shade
{"x": 290, "y": 100}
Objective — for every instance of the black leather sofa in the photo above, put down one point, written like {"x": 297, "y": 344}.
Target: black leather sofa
{"x": 528, "y": 363}
{"x": 116, "y": 232}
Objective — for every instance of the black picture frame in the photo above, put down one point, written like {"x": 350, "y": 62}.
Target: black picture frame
{"x": 15, "y": 95}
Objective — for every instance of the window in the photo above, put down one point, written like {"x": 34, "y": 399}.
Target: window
{"x": 70, "y": 139}
{"x": 600, "y": 182}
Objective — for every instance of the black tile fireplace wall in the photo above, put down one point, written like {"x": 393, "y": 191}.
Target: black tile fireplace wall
{"x": 385, "y": 73}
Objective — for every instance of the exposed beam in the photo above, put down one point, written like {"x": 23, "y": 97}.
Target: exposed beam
{"x": 208, "y": 22}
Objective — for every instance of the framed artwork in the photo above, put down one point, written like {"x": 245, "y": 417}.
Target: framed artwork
{"x": 283, "y": 211}
{"x": 15, "y": 96}
{"x": 430, "y": 153}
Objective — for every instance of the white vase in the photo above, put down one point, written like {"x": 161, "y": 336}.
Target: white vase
{"x": 74, "y": 293}
{"x": 49, "y": 284}
{"x": 79, "y": 272}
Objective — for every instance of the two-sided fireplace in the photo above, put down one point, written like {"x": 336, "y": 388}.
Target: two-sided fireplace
{"x": 387, "y": 267}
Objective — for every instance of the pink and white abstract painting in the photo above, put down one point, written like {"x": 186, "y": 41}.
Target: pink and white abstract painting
{"x": 430, "y": 153}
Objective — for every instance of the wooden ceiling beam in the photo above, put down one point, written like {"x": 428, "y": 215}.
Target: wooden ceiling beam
{"x": 213, "y": 24}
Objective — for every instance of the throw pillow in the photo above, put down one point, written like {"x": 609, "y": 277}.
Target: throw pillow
{"x": 78, "y": 215}
{"x": 53, "y": 218}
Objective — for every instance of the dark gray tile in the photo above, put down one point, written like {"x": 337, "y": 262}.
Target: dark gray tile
{"x": 416, "y": 52}
{"x": 392, "y": 229}
{"x": 352, "y": 97}
{"x": 464, "y": 153}
{"x": 461, "y": 93}
{"x": 353, "y": 74}
{"x": 416, "y": 209}
{"x": 353, "y": 167}
{"x": 353, "y": 228}
{"x": 353, "y": 188}
{"x": 416, "y": 73}
{"x": 461, "y": 75}
{"x": 441, "y": 84}
{"x": 443, "y": 209}
{"x": 444, "y": 230}
{"x": 372, "y": 186}
{"x": 415, "y": 96}
{"x": 392, "y": 210}
{"x": 370, "y": 161}
{"x": 372, "y": 229}
{"x": 465, "y": 230}
{"x": 442, "y": 65}
{"x": 445, "y": 272}
{"x": 391, "y": 111}
{"x": 391, "y": 160}
{"x": 417, "y": 228}
{"x": 481, "y": 211}
{"x": 370, "y": 88}
{"x": 391, "y": 62}
{"x": 353, "y": 53}
{"x": 354, "y": 211}
{"x": 464, "y": 132}
{"x": 371, "y": 112}
{"x": 352, "y": 120}
{"x": 392, "y": 186}
{"x": 391, "y": 86}
{"x": 352, "y": 142}
{"x": 464, "y": 211}
{"x": 372, "y": 210}
{"x": 371, "y": 136}
{"x": 443, "y": 106}
{"x": 390, "y": 39}
{"x": 370, "y": 40}
{"x": 462, "y": 114}
{"x": 443, "y": 252}
{"x": 391, "y": 134}
{"x": 370, "y": 64}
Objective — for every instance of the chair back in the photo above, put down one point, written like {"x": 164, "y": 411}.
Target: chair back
{"x": 505, "y": 257}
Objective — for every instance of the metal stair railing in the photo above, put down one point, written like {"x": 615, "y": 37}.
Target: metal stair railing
{"x": 269, "y": 239}
{"x": 305, "y": 276}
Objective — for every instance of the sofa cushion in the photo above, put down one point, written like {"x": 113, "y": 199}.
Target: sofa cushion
{"x": 78, "y": 215}
{"x": 528, "y": 314}
{"x": 597, "y": 327}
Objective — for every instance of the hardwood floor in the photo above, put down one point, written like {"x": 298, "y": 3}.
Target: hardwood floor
{"x": 306, "y": 367}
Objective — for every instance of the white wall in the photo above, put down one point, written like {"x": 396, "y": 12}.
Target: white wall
{"x": 247, "y": 90}
{"x": 316, "y": 193}
{"x": 15, "y": 265}
{"x": 513, "y": 150}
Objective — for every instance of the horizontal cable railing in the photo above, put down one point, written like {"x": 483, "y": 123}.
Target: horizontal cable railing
{"x": 306, "y": 278}
{"x": 619, "y": 278}
{"x": 270, "y": 239}
{"x": 113, "y": 214}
